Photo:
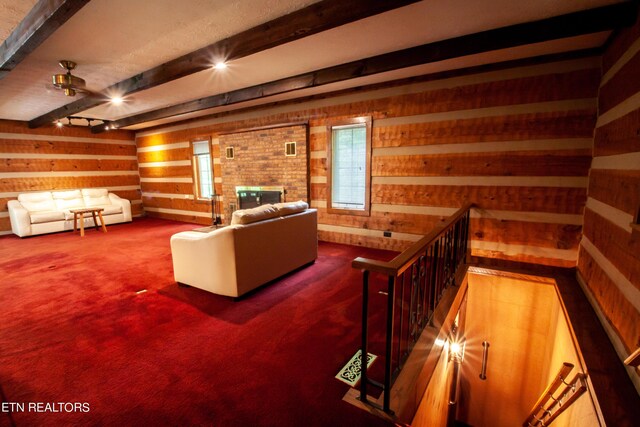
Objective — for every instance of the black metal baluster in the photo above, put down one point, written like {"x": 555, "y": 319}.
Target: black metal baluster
{"x": 387, "y": 368}
{"x": 365, "y": 323}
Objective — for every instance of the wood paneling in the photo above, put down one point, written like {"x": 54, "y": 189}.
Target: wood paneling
{"x": 622, "y": 316}
{"x": 559, "y": 236}
{"x": 176, "y": 217}
{"x": 552, "y": 103}
{"x": 167, "y": 187}
{"x": 534, "y": 199}
{"x": 619, "y": 46}
{"x": 565, "y": 163}
{"x": 548, "y": 87}
{"x": 318, "y": 167}
{"x": 366, "y": 241}
{"x": 10, "y": 145}
{"x": 620, "y": 248}
{"x": 165, "y": 155}
{"x": 65, "y": 165}
{"x": 625, "y": 83}
{"x": 523, "y": 258}
{"x": 166, "y": 172}
{"x": 617, "y": 188}
{"x": 67, "y": 182}
{"x": 52, "y": 158}
{"x": 619, "y": 136}
{"x": 175, "y": 203}
{"x": 561, "y": 124}
{"x": 137, "y": 209}
{"x": 395, "y": 222}
{"x": 609, "y": 260}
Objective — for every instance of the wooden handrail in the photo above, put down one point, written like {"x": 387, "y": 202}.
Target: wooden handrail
{"x": 548, "y": 407}
{"x": 633, "y": 359}
{"x": 416, "y": 281}
{"x": 401, "y": 262}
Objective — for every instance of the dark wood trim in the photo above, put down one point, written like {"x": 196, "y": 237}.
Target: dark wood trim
{"x": 573, "y": 24}
{"x": 536, "y": 60}
{"x": 43, "y": 19}
{"x": 367, "y": 196}
{"x": 266, "y": 127}
{"x": 313, "y": 19}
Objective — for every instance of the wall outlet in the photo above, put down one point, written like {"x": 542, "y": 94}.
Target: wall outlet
{"x": 387, "y": 234}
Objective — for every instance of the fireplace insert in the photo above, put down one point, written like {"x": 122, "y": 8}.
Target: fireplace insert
{"x": 250, "y": 197}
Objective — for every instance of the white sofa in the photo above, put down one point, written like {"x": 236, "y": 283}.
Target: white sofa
{"x": 260, "y": 245}
{"x": 49, "y": 211}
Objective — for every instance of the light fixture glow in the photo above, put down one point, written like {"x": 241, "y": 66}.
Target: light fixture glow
{"x": 116, "y": 100}
{"x": 221, "y": 65}
{"x": 59, "y": 124}
{"x": 455, "y": 348}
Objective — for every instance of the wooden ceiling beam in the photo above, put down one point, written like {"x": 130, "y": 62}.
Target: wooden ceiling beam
{"x": 318, "y": 17}
{"x": 574, "y": 24}
{"x": 41, "y": 21}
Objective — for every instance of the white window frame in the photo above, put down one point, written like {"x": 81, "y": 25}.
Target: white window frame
{"x": 202, "y": 165}
{"x": 353, "y": 206}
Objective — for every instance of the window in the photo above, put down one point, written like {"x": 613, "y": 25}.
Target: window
{"x": 349, "y": 166}
{"x": 202, "y": 169}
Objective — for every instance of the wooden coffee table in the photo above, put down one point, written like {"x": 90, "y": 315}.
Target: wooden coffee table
{"x": 79, "y": 213}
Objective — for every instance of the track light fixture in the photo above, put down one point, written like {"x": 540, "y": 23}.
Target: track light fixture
{"x": 73, "y": 121}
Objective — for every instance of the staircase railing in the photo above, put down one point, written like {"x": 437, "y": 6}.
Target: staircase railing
{"x": 416, "y": 280}
{"x": 551, "y": 404}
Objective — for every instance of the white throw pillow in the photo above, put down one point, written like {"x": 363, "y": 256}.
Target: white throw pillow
{"x": 247, "y": 216}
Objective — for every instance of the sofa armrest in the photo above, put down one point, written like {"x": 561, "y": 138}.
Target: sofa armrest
{"x": 20, "y": 219}
{"x": 206, "y": 260}
{"x": 125, "y": 204}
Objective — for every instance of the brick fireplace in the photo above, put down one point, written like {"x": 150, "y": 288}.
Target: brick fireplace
{"x": 265, "y": 159}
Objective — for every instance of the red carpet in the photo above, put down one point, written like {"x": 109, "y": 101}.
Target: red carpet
{"x": 73, "y": 329}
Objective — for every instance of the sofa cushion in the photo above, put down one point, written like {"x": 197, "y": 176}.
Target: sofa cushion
{"x": 46, "y": 216}
{"x": 68, "y": 199}
{"x": 289, "y": 208}
{"x": 94, "y": 197}
{"x": 247, "y": 216}
{"x": 37, "y": 202}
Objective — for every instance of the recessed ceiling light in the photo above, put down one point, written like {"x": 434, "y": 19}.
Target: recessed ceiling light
{"x": 116, "y": 100}
{"x": 220, "y": 65}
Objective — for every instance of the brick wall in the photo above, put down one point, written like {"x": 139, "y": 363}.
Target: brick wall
{"x": 260, "y": 160}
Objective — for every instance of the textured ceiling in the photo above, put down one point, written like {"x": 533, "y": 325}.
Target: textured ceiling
{"x": 11, "y": 13}
{"x": 115, "y": 39}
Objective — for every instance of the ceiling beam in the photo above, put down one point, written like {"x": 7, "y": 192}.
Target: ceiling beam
{"x": 574, "y": 24}
{"x": 41, "y": 21}
{"x": 318, "y": 17}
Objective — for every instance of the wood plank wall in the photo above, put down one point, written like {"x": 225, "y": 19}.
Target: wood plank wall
{"x": 515, "y": 141}
{"x": 609, "y": 256}
{"x": 52, "y": 158}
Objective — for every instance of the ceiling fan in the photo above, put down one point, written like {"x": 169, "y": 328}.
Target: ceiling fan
{"x": 68, "y": 82}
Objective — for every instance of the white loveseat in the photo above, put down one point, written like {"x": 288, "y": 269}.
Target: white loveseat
{"x": 49, "y": 211}
{"x": 260, "y": 245}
